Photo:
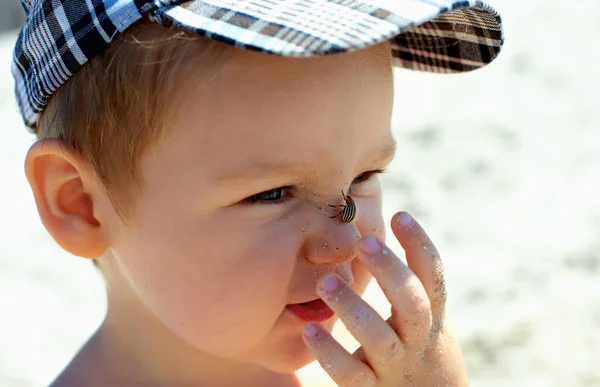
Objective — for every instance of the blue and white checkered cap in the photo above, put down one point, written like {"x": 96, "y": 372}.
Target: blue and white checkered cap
{"x": 441, "y": 36}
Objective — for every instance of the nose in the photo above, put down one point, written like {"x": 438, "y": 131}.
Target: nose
{"x": 331, "y": 243}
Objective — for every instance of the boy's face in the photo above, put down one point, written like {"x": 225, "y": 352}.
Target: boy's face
{"x": 217, "y": 268}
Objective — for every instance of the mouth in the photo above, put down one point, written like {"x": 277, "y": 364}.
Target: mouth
{"x": 315, "y": 310}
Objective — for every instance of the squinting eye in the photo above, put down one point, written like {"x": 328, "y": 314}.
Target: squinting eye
{"x": 271, "y": 196}
{"x": 360, "y": 178}
{"x": 366, "y": 176}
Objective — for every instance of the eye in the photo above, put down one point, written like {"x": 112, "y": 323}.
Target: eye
{"x": 272, "y": 196}
{"x": 367, "y": 175}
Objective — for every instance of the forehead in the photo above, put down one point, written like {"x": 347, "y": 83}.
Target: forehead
{"x": 258, "y": 106}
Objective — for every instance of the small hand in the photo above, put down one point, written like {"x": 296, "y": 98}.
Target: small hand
{"x": 416, "y": 345}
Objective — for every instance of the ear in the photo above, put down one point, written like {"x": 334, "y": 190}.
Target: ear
{"x": 58, "y": 178}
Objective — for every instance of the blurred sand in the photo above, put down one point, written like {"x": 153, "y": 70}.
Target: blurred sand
{"x": 501, "y": 167}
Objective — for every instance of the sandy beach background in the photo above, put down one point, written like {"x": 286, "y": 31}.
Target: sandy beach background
{"x": 501, "y": 166}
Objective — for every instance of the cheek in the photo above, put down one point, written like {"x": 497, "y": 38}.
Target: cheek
{"x": 216, "y": 284}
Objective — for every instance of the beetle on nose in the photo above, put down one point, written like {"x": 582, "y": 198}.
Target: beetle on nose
{"x": 348, "y": 212}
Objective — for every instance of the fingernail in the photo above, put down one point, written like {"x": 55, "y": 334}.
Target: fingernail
{"x": 330, "y": 283}
{"x": 370, "y": 245}
{"x": 404, "y": 219}
{"x": 311, "y": 331}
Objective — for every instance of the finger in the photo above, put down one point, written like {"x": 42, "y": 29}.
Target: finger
{"x": 345, "y": 369}
{"x": 411, "y": 309}
{"x": 424, "y": 260}
{"x": 380, "y": 342}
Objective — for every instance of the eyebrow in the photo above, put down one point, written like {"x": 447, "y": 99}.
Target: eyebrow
{"x": 264, "y": 170}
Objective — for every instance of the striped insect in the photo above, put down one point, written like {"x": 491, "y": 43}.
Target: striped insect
{"x": 348, "y": 211}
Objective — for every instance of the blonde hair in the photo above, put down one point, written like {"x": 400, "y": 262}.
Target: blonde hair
{"x": 117, "y": 106}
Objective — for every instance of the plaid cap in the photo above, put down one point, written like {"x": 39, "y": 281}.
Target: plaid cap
{"x": 440, "y": 36}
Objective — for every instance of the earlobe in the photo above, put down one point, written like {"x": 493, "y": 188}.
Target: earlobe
{"x": 58, "y": 178}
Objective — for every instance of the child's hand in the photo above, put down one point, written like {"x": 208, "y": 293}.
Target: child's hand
{"x": 415, "y": 346}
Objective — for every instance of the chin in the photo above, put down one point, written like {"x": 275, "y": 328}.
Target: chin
{"x": 292, "y": 356}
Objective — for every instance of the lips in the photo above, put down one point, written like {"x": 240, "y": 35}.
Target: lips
{"x": 315, "y": 310}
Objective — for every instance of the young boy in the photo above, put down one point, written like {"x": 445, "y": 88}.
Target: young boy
{"x": 230, "y": 197}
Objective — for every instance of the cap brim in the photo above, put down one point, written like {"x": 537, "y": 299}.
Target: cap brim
{"x": 440, "y": 36}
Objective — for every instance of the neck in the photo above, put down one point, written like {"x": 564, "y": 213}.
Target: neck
{"x": 107, "y": 360}
{"x": 134, "y": 348}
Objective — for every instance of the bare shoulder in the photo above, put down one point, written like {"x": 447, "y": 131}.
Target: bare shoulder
{"x": 86, "y": 369}
{"x": 70, "y": 378}
{"x": 65, "y": 380}
{"x": 77, "y": 376}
